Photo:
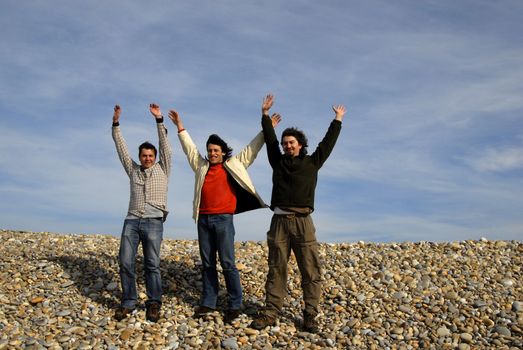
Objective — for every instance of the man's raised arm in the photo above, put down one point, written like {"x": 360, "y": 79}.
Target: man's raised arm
{"x": 119, "y": 141}
{"x": 188, "y": 146}
{"x": 273, "y": 147}
{"x": 164, "y": 146}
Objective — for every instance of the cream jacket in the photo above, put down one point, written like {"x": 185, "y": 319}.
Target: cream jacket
{"x": 247, "y": 196}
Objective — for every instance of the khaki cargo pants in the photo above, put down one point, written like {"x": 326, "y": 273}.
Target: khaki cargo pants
{"x": 299, "y": 234}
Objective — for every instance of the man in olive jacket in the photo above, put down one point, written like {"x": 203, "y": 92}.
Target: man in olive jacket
{"x": 294, "y": 181}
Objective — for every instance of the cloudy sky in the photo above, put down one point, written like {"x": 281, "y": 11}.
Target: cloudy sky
{"x": 431, "y": 148}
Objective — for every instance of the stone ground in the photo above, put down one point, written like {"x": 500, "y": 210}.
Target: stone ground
{"x": 59, "y": 291}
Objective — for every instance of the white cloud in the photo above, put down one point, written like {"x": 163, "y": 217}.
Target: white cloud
{"x": 498, "y": 160}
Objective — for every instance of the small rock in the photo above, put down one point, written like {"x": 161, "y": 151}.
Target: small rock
{"x": 397, "y": 330}
{"x": 250, "y": 331}
{"x": 502, "y": 330}
{"x": 451, "y": 295}
{"x": 112, "y": 286}
{"x": 405, "y": 309}
{"x": 126, "y": 334}
{"x": 443, "y": 331}
{"x": 487, "y": 322}
{"x": 399, "y": 295}
{"x": 36, "y": 300}
{"x": 183, "y": 329}
{"x": 517, "y": 306}
{"x": 63, "y": 313}
{"x": 466, "y": 337}
{"x": 479, "y": 303}
{"x": 507, "y": 282}
{"x": 230, "y": 343}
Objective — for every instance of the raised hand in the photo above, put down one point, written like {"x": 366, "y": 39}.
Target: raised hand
{"x": 267, "y": 104}
{"x": 276, "y": 119}
{"x": 155, "y": 110}
{"x": 116, "y": 115}
{"x": 340, "y": 111}
{"x": 175, "y": 117}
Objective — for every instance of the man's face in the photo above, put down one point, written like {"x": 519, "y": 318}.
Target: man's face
{"x": 215, "y": 154}
{"x": 147, "y": 158}
{"x": 291, "y": 146}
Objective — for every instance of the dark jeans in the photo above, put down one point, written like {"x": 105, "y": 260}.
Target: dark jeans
{"x": 149, "y": 231}
{"x": 297, "y": 233}
{"x": 216, "y": 235}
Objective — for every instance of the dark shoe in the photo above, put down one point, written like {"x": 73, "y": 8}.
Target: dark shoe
{"x": 230, "y": 315}
{"x": 310, "y": 324}
{"x": 153, "y": 312}
{"x": 201, "y": 311}
{"x": 121, "y": 312}
{"x": 263, "y": 320}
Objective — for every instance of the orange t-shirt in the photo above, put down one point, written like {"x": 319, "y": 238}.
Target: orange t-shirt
{"x": 218, "y": 195}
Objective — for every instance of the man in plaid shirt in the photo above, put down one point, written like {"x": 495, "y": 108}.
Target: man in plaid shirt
{"x": 145, "y": 216}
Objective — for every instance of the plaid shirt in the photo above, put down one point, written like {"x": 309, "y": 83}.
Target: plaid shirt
{"x": 147, "y": 185}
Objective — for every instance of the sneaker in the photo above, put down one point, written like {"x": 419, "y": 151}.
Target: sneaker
{"x": 121, "y": 312}
{"x": 230, "y": 315}
{"x": 201, "y": 311}
{"x": 310, "y": 324}
{"x": 263, "y": 320}
{"x": 153, "y": 312}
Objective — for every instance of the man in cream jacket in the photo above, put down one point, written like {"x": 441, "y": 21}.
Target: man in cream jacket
{"x": 222, "y": 188}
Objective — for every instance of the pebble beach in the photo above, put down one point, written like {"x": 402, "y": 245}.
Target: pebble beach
{"x": 58, "y": 291}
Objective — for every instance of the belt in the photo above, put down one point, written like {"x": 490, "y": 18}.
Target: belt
{"x": 292, "y": 215}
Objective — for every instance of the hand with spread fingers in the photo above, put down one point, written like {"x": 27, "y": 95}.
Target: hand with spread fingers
{"x": 340, "y": 111}
{"x": 276, "y": 119}
{"x": 267, "y": 104}
{"x": 177, "y": 120}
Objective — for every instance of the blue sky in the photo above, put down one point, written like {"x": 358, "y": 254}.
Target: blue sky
{"x": 431, "y": 147}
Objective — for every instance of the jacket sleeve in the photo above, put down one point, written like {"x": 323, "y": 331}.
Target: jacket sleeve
{"x": 165, "y": 149}
{"x": 273, "y": 147}
{"x": 189, "y": 148}
{"x": 121, "y": 149}
{"x": 326, "y": 145}
{"x": 249, "y": 153}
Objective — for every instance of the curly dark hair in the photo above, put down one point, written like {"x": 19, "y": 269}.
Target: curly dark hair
{"x": 217, "y": 140}
{"x": 300, "y": 137}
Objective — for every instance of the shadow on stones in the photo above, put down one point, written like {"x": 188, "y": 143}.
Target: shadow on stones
{"x": 183, "y": 281}
{"x": 92, "y": 273}
{"x": 179, "y": 281}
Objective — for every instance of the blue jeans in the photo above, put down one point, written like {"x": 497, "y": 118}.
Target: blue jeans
{"x": 216, "y": 235}
{"x": 150, "y": 232}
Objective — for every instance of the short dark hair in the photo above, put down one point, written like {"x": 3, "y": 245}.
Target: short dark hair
{"x": 147, "y": 145}
{"x": 217, "y": 140}
{"x": 300, "y": 137}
